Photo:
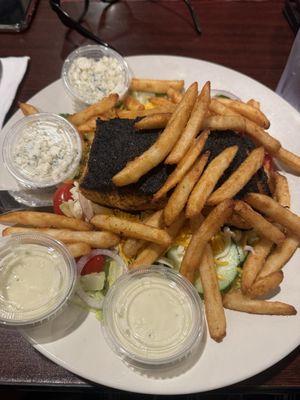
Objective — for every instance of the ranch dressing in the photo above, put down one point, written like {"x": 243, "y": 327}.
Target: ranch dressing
{"x": 31, "y": 280}
{"x": 152, "y": 317}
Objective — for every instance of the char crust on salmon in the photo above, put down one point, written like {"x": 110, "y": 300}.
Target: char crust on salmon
{"x": 116, "y": 142}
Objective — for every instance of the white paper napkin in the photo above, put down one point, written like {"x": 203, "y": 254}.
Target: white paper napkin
{"x": 13, "y": 70}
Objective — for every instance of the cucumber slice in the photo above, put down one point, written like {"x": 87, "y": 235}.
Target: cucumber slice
{"x": 242, "y": 254}
{"x": 226, "y": 273}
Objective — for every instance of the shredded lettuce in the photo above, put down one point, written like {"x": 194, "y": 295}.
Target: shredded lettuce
{"x": 114, "y": 272}
{"x": 80, "y": 303}
{"x": 97, "y": 284}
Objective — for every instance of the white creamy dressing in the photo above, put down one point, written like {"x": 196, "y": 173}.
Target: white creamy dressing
{"x": 95, "y": 79}
{"x": 43, "y": 152}
{"x": 31, "y": 280}
{"x": 152, "y": 317}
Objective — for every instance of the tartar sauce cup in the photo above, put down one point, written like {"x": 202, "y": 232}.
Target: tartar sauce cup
{"x": 153, "y": 318}
{"x": 37, "y": 279}
{"x": 92, "y": 72}
{"x": 40, "y": 151}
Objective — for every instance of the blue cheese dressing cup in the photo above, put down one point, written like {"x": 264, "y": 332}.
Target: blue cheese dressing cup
{"x": 40, "y": 151}
{"x": 92, "y": 72}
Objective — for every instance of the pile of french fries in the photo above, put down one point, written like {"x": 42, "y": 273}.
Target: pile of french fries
{"x": 186, "y": 119}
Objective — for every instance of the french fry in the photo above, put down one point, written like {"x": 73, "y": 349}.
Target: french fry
{"x": 110, "y": 114}
{"x": 133, "y": 104}
{"x": 214, "y": 310}
{"x": 27, "y": 109}
{"x": 155, "y": 121}
{"x": 238, "y": 222}
{"x": 281, "y": 192}
{"x": 218, "y": 108}
{"x": 95, "y": 109}
{"x": 266, "y": 285}
{"x": 97, "y": 209}
{"x": 153, "y": 251}
{"x": 208, "y": 181}
{"x": 184, "y": 165}
{"x": 79, "y": 249}
{"x": 193, "y": 127}
{"x": 179, "y": 197}
{"x": 289, "y": 159}
{"x": 164, "y": 144}
{"x": 43, "y": 219}
{"x": 239, "y": 178}
{"x": 131, "y": 229}
{"x": 234, "y": 300}
{"x": 279, "y": 256}
{"x": 94, "y": 239}
{"x": 144, "y": 113}
{"x": 132, "y": 246}
{"x": 263, "y": 227}
{"x": 174, "y": 95}
{"x": 254, "y": 103}
{"x": 195, "y": 223}
{"x": 246, "y": 110}
{"x": 200, "y": 238}
{"x": 241, "y": 124}
{"x": 254, "y": 263}
{"x": 88, "y": 126}
{"x": 155, "y": 85}
{"x": 275, "y": 211}
{"x": 161, "y": 102}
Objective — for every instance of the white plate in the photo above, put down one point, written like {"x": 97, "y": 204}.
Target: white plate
{"x": 253, "y": 343}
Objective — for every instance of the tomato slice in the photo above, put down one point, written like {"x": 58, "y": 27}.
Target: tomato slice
{"x": 95, "y": 264}
{"x": 61, "y": 195}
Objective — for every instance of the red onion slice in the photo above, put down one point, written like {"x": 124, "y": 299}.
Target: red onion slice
{"x": 86, "y": 206}
{"x": 93, "y": 303}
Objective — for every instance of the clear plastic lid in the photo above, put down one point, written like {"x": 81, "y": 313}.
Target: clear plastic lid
{"x": 42, "y": 150}
{"x": 95, "y": 52}
{"x": 153, "y": 317}
{"x": 37, "y": 278}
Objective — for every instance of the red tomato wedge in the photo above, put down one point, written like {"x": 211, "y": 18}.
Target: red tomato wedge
{"x": 95, "y": 264}
{"x": 61, "y": 195}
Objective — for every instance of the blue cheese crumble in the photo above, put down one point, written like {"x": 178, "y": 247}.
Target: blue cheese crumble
{"x": 44, "y": 153}
{"x": 94, "y": 79}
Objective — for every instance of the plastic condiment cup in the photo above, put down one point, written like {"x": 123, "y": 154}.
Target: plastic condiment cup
{"x": 223, "y": 93}
{"x": 95, "y": 52}
{"x": 60, "y": 130}
{"x": 17, "y": 309}
{"x": 153, "y": 318}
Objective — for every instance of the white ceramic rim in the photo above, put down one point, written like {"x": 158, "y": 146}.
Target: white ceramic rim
{"x": 286, "y": 121}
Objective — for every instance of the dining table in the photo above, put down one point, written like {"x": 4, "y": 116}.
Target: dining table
{"x": 249, "y": 36}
